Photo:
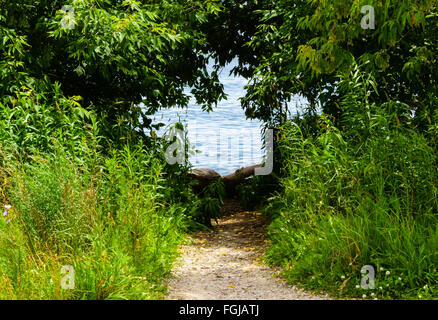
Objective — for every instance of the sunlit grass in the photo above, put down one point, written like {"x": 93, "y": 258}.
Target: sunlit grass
{"x": 363, "y": 196}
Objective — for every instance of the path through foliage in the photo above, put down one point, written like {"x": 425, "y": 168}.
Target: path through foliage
{"x": 226, "y": 263}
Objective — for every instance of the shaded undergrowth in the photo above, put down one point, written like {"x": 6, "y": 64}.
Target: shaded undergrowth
{"x": 363, "y": 192}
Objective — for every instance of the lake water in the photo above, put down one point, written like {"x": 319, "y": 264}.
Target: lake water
{"x": 226, "y": 140}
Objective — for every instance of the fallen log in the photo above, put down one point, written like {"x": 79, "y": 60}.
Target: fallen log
{"x": 231, "y": 181}
{"x": 204, "y": 176}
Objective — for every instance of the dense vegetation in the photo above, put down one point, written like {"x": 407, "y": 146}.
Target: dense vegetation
{"x": 358, "y": 167}
{"x": 367, "y": 195}
{"x": 83, "y": 183}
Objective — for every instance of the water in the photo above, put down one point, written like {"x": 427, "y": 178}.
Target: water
{"x": 226, "y": 140}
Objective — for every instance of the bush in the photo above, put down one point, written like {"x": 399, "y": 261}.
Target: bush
{"x": 365, "y": 194}
{"x": 109, "y": 220}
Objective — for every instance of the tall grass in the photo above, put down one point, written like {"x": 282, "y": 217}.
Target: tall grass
{"x": 110, "y": 222}
{"x": 360, "y": 193}
{"x": 113, "y": 211}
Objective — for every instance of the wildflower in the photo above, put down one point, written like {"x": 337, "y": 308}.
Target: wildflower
{"x": 7, "y": 208}
{"x": 376, "y": 299}
{"x": 342, "y": 277}
{"x": 399, "y": 278}
{"x": 357, "y": 286}
{"x": 380, "y": 288}
{"x": 420, "y": 296}
{"x": 425, "y": 287}
{"x": 381, "y": 269}
{"x": 372, "y": 294}
{"x": 364, "y": 296}
{"x": 388, "y": 273}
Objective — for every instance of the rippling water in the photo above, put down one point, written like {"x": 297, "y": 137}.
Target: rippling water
{"x": 226, "y": 140}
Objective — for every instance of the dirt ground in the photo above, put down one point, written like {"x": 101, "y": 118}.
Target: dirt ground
{"x": 226, "y": 263}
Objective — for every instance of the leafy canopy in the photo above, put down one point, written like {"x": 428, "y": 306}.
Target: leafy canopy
{"x": 113, "y": 54}
{"x": 303, "y": 46}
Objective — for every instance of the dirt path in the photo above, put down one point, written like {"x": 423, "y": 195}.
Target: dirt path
{"x": 226, "y": 263}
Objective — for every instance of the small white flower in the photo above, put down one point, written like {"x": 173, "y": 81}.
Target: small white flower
{"x": 342, "y": 277}
{"x": 387, "y": 273}
{"x": 387, "y": 284}
{"x": 420, "y": 296}
{"x": 372, "y": 294}
{"x": 380, "y": 288}
{"x": 357, "y": 286}
{"x": 364, "y": 296}
{"x": 425, "y": 287}
{"x": 376, "y": 299}
{"x": 399, "y": 278}
{"x": 7, "y": 207}
{"x": 381, "y": 269}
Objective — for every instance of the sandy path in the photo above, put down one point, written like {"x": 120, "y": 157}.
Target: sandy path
{"x": 226, "y": 264}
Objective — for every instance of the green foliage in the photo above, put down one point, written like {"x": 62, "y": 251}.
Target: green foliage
{"x": 28, "y": 124}
{"x": 89, "y": 188}
{"x": 212, "y": 199}
{"x": 366, "y": 195}
{"x": 116, "y": 55}
{"x": 301, "y": 48}
{"x": 257, "y": 190}
{"x": 108, "y": 218}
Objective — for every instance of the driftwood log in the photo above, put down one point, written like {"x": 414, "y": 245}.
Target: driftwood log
{"x": 231, "y": 181}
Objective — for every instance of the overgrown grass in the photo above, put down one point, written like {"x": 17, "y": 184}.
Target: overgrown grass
{"x": 365, "y": 194}
{"x": 112, "y": 210}
{"x": 109, "y": 221}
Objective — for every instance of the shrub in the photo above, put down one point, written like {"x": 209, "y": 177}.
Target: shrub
{"x": 364, "y": 194}
{"x": 109, "y": 221}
